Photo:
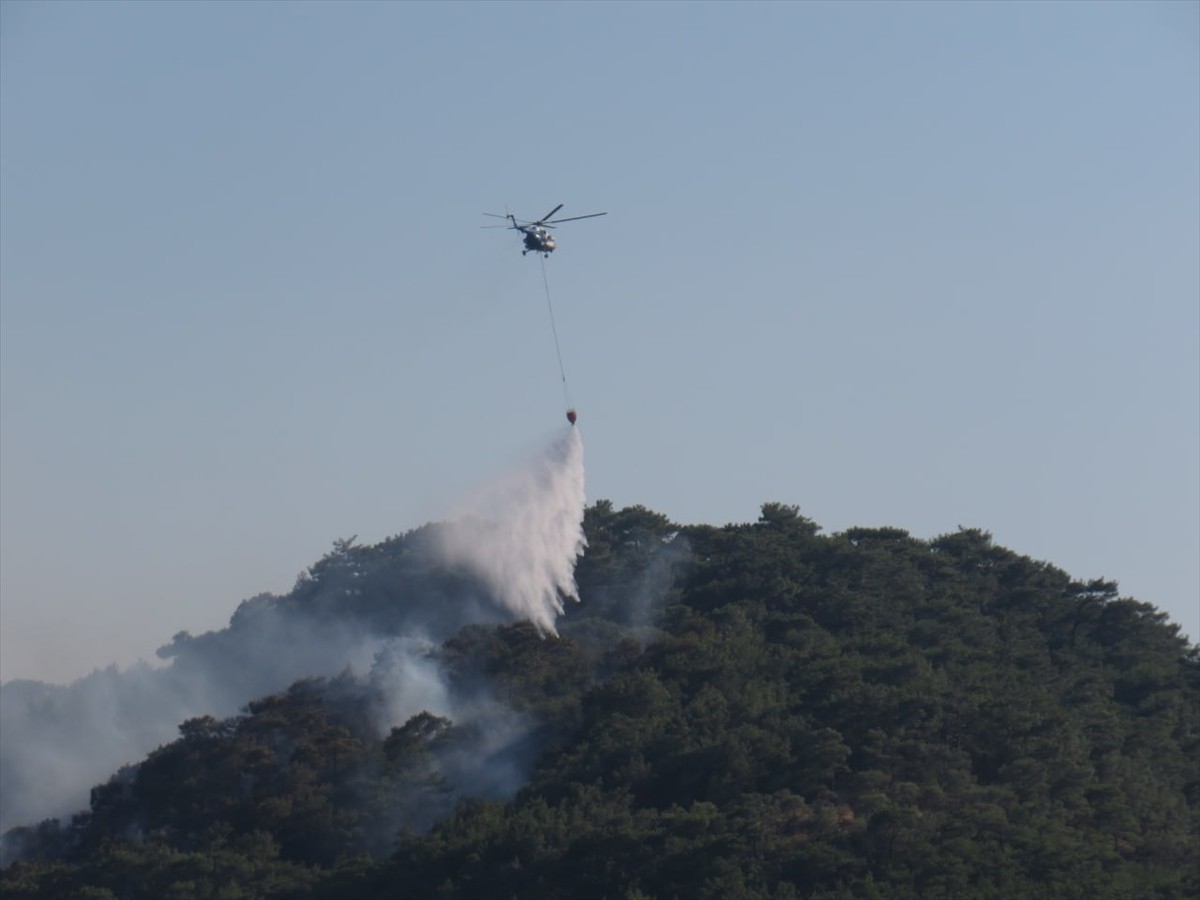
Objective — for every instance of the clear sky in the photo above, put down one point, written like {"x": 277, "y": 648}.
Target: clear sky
{"x": 919, "y": 265}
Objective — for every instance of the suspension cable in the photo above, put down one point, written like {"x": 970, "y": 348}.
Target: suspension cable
{"x": 554, "y": 330}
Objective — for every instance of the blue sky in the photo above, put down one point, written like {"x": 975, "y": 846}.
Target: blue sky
{"x": 919, "y": 265}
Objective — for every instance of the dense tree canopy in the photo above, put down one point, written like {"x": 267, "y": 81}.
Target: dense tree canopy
{"x": 752, "y": 711}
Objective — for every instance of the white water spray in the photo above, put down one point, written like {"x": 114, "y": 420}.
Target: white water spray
{"x": 522, "y": 535}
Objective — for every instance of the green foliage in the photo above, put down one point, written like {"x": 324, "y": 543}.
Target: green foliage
{"x": 754, "y": 711}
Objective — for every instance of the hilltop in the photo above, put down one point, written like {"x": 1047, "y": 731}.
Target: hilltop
{"x": 754, "y": 710}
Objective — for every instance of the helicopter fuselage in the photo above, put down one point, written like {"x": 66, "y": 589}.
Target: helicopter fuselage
{"x": 538, "y": 240}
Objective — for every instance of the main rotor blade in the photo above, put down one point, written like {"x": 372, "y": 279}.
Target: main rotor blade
{"x": 573, "y": 218}
{"x": 549, "y": 214}
{"x": 496, "y": 216}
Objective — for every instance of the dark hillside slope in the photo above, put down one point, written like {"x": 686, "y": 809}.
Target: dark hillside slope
{"x": 749, "y": 711}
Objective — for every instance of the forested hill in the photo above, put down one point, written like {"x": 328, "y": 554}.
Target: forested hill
{"x": 748, "y": 711}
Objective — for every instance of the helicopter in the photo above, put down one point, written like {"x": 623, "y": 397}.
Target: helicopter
{"x": 537, "y": 235}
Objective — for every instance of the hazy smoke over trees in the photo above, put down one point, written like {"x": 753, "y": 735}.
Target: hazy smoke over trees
{"x": 377, "y": 612}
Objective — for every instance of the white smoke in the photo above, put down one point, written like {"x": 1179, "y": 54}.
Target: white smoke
{"x": 57, "y": 742}
{"x": 408, "y": 679}
{"x": 522, "y": 541}
{"x": 522, "y": 535}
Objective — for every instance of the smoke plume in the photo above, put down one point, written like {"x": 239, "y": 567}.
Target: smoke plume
{"x": 378, "y": 612}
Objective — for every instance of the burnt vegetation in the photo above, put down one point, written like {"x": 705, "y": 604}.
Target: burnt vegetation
{"x": 750, "y": 711}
